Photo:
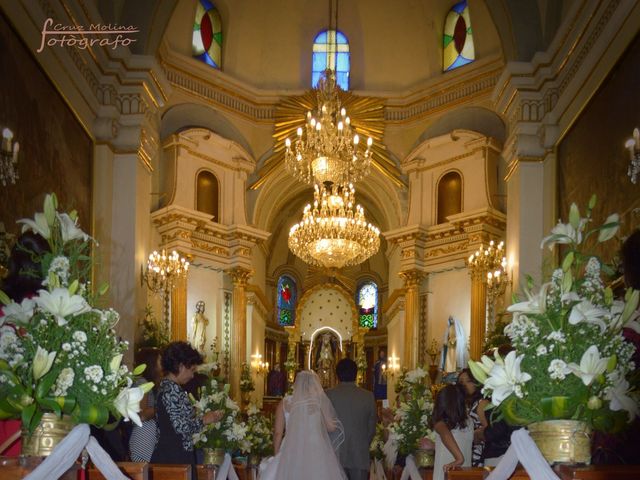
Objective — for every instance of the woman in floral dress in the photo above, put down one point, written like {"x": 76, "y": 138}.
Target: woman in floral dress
{"x": 175, "y": 416}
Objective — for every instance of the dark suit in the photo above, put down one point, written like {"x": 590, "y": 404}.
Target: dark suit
{"x": 356, "y": 409}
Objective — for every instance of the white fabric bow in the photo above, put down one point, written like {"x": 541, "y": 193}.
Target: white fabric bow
{"x": 523, "y": 449}
{"x": 376, "y": 471}
{"x": 410, "y": 470}
{"x": 226, "y": 470}
{"x": 68, "y": 451}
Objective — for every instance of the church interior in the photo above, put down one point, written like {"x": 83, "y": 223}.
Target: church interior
{"x": 195, "y": 126}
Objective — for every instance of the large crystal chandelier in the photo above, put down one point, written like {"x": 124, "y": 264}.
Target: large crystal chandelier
{"x": 328, "y": 147}
{"x": 491, "y": 264}
{"x": 332, "y": 234}
{"x": 163, "y": 271}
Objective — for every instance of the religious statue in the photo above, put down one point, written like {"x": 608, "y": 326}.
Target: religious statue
{"x": 199, "y": 328}
{"x": 379, "y": 379}
{"x": 325, "y": 363}
{"x": 454, "y": 348}
{"x": 450, "y": 346}
{"x": 276, "y": 382}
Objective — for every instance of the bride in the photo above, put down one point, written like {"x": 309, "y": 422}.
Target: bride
{"x": 313, "y": 434}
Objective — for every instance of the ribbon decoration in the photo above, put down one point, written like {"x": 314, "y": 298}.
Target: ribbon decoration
{"x": 524, "y": 450}
{"x": 226, "y": 470}
{"x": 68, "y": 451}
{"x": 410, "y": 471}
{"x": 376, "y": 471}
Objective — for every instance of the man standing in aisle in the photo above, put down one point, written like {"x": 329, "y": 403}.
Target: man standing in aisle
{"x": 356, "y": 409}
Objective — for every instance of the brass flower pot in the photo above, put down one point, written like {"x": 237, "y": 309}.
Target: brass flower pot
{"x": 424, "y": 458}
{"x": 47, "y": 435}
{"x": 563, "y": 441}
{"x": 213, "y": 456}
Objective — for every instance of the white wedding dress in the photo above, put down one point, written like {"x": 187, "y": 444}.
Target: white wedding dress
{"x": 312, "y": 435}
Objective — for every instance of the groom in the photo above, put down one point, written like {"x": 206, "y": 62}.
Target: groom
{"x": 356, "y": 409}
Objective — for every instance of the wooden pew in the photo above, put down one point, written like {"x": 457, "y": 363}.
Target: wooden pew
{"x": 133, "y": 470}
{"x": 159, "y": 471}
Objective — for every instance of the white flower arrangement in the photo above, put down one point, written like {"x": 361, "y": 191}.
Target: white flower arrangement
{"x": 570, "y": 359}
{"x": 246, "y": 382}
{"x": 57, "y": 352}
{"x": 259, "y": 438}
{"x": 229, "y": 432}
{"x": 412, "y": 419}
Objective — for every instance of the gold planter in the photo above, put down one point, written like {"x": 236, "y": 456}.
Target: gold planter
{"x": 424, "y": 458}
{"x": 47, "y": 435}
{"x": 213, "y": 456}
{"x": 563, "y": 441}
{"x": 253, "y": 459}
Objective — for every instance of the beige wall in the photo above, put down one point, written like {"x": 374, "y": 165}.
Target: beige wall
{"x": 268, "y": 44}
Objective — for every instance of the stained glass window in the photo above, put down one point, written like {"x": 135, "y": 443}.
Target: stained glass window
{"x": 207, "y": 34}
{"x": 287, "y": 298}
{"x": 458, "y": 38}
{"x": 367, "y": 300}
{"x": 331, "y": 50}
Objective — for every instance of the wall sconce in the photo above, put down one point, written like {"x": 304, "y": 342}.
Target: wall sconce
{"x": 392, "y": 367}
{"x": 8, "y": 158}
{"x": 258, "y": 365}
{"x": 633, "y": 144}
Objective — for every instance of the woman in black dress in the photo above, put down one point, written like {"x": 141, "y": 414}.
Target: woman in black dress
{"x": 175, "y": 416}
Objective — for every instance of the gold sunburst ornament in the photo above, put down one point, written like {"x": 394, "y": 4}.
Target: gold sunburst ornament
{"x": 366, "y": 115}
{"x": 328, "y": 148}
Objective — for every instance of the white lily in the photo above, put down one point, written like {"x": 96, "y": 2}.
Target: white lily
{"x": 536, "y": 303}
{"x": 415, "y": 375}
{"x": 591, "y": 365}
{"x": 482, "y": 368}
{"x": 69, "y": 229}
{"x": 114, "y": 364}
{"x": 128, "y": 404}
{"x": 608, "y": 233}
{"x": 38, "y": 225}
{"x": 563, "y": 233}
{"x": 506, "y": 379}
{"x": 585, "y": 311}
{"x": 61, "y": 304}
{"x": 50, "y": 206}
{"x": 18, "y": 312}
{"x": 42, "y": 362}
{"x": 619, "y": 400}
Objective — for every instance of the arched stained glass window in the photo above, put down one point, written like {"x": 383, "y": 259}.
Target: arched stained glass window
{"x": 325, "y": 56}
{"x": 449, "y": 196}
{"x": 458, "y": 38}
{"x": 287, "y": 299}
{"x": 207, "y": 34}
{"x": 367, "y": 300}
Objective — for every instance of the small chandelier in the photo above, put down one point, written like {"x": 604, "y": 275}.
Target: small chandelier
{"x": 332, "y": 234}
{"x": 328, "y": 148}
{"x": 491, "y": 264}
{"x": 164, "y": 270}
{"x": 633, "y": 144}
{"x": 8, "y": 158}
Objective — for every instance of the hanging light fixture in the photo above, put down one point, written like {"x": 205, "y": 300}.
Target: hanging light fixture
{"x": 328, "y": 147}
{"x": 329, "y": 154}
{"x": 334, "y": 232}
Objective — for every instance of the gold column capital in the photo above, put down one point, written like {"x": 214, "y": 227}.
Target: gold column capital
{"x": 239, "y": 276}
{"x": 412, "y": 278}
